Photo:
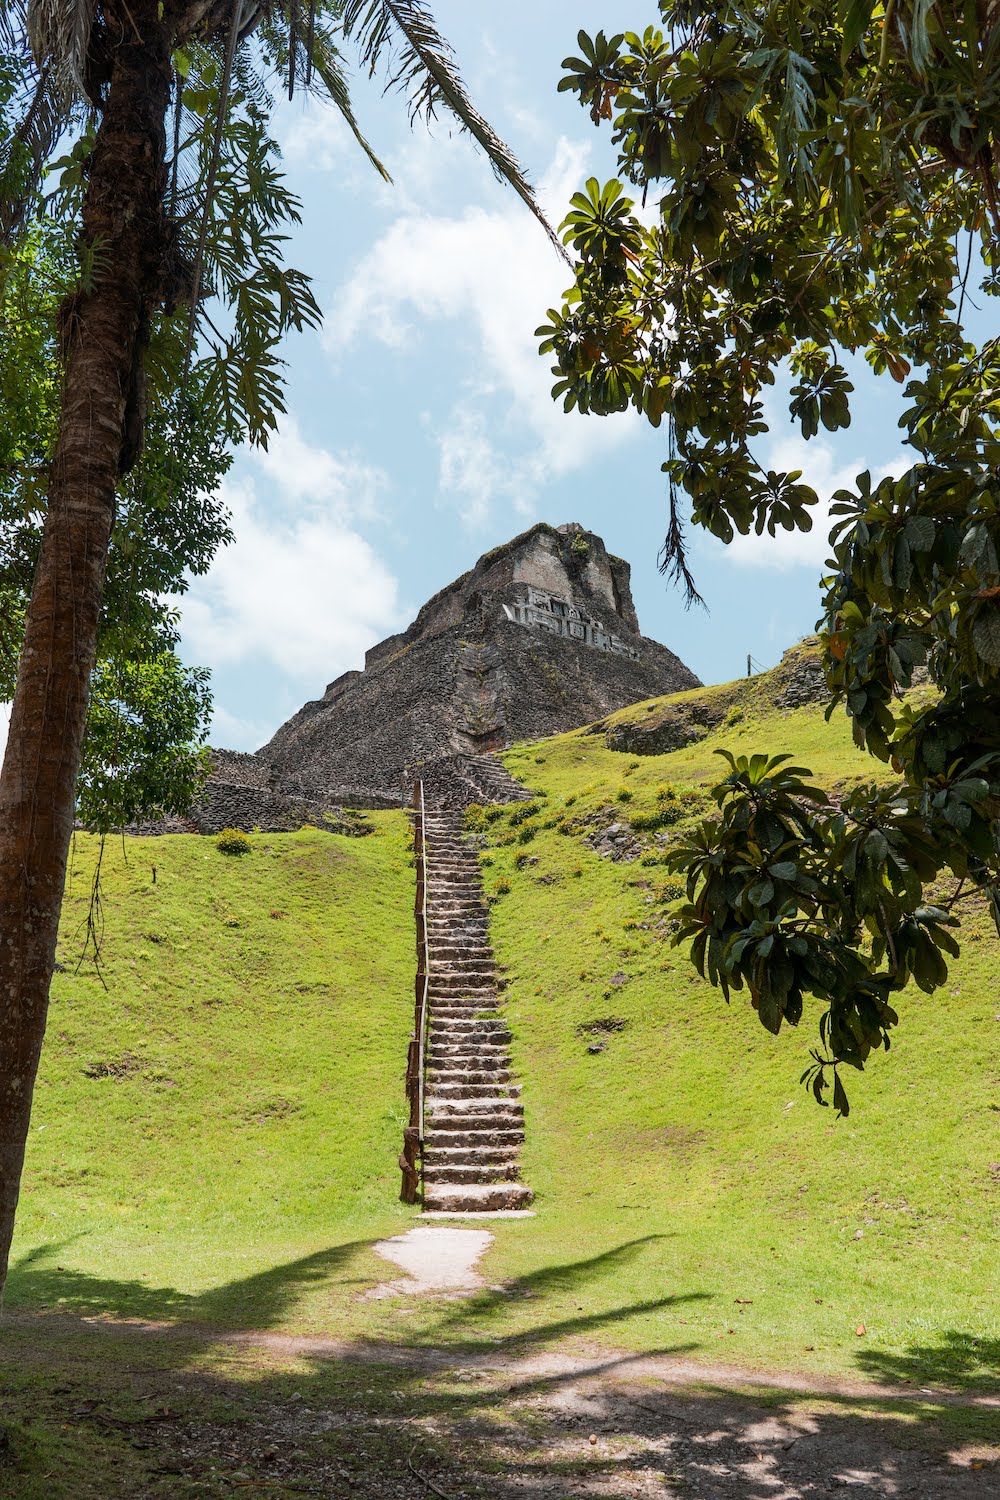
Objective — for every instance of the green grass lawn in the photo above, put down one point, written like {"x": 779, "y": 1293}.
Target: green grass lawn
{"x": 227, "y": 1098}
{"x": 215, "y": 1132}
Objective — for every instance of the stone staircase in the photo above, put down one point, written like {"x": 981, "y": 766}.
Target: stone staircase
{"x": 455, "y": 781}
{"x": 473, "y": 1115}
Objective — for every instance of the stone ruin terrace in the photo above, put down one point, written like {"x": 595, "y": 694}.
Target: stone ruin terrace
{"x": 540, "y": 637}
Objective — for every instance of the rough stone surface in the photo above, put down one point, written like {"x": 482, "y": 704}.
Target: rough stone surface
{"x": 539, "y": 637}
{"x": 242, "y": 792}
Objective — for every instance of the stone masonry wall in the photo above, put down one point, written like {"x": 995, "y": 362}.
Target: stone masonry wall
{"x": 541, "y": 636}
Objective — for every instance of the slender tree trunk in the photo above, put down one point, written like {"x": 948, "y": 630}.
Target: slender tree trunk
{"x": 104, "y": 334}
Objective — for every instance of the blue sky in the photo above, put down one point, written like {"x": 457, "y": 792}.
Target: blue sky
{"x": 421, "y": 431}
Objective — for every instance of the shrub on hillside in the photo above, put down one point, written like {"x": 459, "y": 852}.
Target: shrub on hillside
{"x": 233, "y": 841}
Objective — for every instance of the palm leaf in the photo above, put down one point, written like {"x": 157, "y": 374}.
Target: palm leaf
{"x": 59, "y": 33}
{"x": 327, "y": 63}
{"x": 40, "y": 116}
{"x": 424, "y": 67}
{"x": 322, "y": 59}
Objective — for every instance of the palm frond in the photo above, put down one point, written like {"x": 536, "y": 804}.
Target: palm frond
{"x": 319, "y": 63}
{"x": 327, "y": 63}
{"x": 24, "y": 156}
{"x": 423, "y": 65}
{"x": 36, "y": 116}
{"x": 59, "y": 33}
{"x": 13, "y": 25}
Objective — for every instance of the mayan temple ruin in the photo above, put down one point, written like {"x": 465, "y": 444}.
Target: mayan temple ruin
{"x": 539, "y": 637}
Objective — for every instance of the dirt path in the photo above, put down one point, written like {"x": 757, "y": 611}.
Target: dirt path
{"x": 324, "y": 1417}
{"x": 435, "y": 1259}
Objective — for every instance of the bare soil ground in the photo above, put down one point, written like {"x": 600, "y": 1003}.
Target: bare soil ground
{"x": 280, "y": 1416}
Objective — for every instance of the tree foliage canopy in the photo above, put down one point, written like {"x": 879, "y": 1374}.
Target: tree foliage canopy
{"x": 825, "y": 173}
{"x": 214, "y": 372}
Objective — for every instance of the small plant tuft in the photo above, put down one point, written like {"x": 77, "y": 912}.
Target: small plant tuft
{"x": 233, "y": 841}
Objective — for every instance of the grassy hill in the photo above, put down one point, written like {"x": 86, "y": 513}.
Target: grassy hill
{"x": 215, "y": 1134}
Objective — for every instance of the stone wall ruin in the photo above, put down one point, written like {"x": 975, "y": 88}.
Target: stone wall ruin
{"x": 541, "y": 636}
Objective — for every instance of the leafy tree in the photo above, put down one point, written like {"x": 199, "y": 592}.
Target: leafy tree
{"x": 168, "y": 521}
{"x": 159, "y": 228}
{"x": 825, "y": 173}
{"x": 142, "y": 752}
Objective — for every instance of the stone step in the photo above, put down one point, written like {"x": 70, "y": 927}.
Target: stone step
{"x": 445, "y": 1042}
{"x": 459, "y": 953}
{"x": 446, "y": 925}
{"x": 440, "y": 1176}
{"x": 477, "y": 1053}
{"x": 464, "y": 994}
{"x": 479, "y": 1014}
{"x": 476, "y": 1198}
{"x": 503, "y": 1137}
{"x": 456, "y": 1007}
{"x": 439, "y": 1078}
{"x": 456, "y": 1055}
{"x": 453, "y": 1091}
{"x": 471, "y": 1065}
{"x": 486, "y": 1107}
{"x": 447, "y": 981}
{"x": 463, "y": 997}
{"x": 464, "y": 1030}
{"x": 466, "y": 1156}
{"x": 459, "y": 977}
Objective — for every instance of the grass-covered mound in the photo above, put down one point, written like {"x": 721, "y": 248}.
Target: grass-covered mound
{"x": 223, "y": 1092}
{"x": 657, "y": 1114}
{"x": 216, "y": 1133}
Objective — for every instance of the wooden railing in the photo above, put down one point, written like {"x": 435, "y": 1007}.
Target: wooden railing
{"x": 416, "y": 1062}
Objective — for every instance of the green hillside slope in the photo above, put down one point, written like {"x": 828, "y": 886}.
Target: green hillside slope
{"x": 229, "y": 1097}
{"x": 216, "y": 1133}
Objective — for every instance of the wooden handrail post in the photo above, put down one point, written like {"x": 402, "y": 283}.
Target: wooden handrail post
{"x": 409, "y": 1160}
{"x": 408, "y": 1164}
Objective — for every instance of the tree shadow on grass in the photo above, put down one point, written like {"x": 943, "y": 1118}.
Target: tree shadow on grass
{"x": 259, "y": 1301}
{"x": 478, "y": 1403}
{"x": 959, "y": 1361}
{"x": 266, "y": 1299}
{"x": 167, "y": 1419}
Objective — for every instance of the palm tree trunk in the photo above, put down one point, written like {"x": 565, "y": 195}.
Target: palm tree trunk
{"x": 104, "y": 328}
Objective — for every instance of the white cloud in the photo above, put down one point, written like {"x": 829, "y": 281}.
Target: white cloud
{"x": 315, "y": 137}
{"x": 343, "y": 488}
{"x": 821, "y": 469}
{"x": 493, "y": 273}
{"x": 4, "y": 726}
{"x": 237, "y": 733}
{"x": 300, "y": 589}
